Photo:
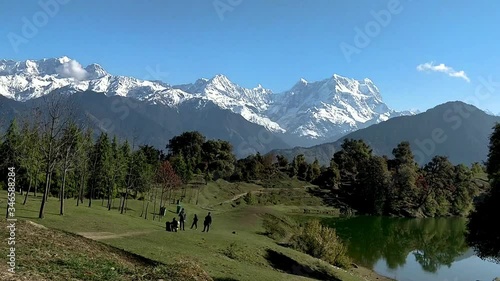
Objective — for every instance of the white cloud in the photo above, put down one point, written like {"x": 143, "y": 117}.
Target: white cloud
{"x": 72, "y": 69}
{"x": 431, "y": 67}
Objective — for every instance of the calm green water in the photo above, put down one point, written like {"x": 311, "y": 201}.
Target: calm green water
{"x": 414, "y": 249}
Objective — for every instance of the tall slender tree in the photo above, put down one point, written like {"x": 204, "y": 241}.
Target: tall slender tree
{"x": 70, "y": 141}
{"x": 56, "y": 115}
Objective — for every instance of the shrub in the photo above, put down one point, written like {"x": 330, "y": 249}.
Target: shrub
{"x": 249, "y": 198}
{"x": 321, "y": 242}
{"x": 231, "y": 251}
{"x": 278, "y": 228}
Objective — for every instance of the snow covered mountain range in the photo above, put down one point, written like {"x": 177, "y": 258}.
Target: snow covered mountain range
{"x": 309, "y": 113}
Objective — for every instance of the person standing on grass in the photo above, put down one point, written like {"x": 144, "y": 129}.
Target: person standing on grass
{"x": 195, "y": 222}
{"x": 207, "y": 222}
{"x": 182, "y": 219}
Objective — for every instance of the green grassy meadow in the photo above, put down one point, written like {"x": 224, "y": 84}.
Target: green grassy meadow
{"x": 234, "y": 249}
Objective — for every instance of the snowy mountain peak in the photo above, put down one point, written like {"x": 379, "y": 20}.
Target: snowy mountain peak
{"x": 64, "y": 59}
{"x": 300, "y": 84}
{"x": 95, "y": 71}
{"x": 220, "y": 80}
{"x": 313, "y": 111}
{"x": 353, "y": 86}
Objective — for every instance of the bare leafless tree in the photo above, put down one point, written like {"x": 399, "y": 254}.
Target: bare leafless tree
{"x": 57, "y": 113}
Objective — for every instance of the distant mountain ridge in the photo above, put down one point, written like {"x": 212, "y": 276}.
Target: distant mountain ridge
{"x": 457, "y": 130}
{"x": 153, "y": 124}
{"x": 307, "y": 114}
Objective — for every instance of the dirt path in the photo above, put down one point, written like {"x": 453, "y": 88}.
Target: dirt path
{"x": 236, "y": 197}
{"x": 109, "y": 235}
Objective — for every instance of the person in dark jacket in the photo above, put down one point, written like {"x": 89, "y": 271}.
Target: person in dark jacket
{"x": 182, "y": 219}
{"x": 195, "y": 222}
{"x": 175, "y": 225}
{"x": 207, "y": 222}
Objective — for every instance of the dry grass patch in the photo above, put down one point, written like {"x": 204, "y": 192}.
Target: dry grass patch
{"x": 46, "y": 254}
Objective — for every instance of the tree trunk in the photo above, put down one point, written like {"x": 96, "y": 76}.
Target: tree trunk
{"x": 45, "y": 193}
{"x": 143, "y": 203}
{"x": 61, "y": 211}
{"x": 48, "y": 189}
{"x": 170, "y": 197}
{"x": 154, "y": 205}
{"x": 124, "y": 200}
{"x": 146, "y": 215}
{"x": 120, "y": 205}
{"x": 109, "y": 197}
{"x": 161, "y": 197}
{"x": 27, "y": 192}
{"x": 91, "y": 194}
{"x": 36, "y": 184}
{"x": 80, "y": 195}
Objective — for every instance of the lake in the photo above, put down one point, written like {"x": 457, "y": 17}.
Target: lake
{"x": 431, "y": 249}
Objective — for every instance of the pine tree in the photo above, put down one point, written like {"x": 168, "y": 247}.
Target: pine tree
{"x": 371, "y": 190}
{"x": 32, "y": 158}
{"x": 439, "y": 175}
{"x": 464, "y": 191}
{"x": 181, "y": 168}
{"x": 117, "y": 171}
{"x": 404, "y": 192}
{"x": 10, "y": 149}
{"x": 100, "y": 168}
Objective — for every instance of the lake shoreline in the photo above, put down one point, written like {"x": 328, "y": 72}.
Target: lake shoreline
{"x": 417, "y": 249}
{"x": 369, "y": 274}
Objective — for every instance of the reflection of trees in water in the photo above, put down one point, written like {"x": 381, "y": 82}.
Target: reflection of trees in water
{"x": 483, "y": 227}
{"x": 434, "y": 242}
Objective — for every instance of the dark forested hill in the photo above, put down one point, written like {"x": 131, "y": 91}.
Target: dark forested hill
{"x": 156, "y": 124}
{"x": 454, "y": 129}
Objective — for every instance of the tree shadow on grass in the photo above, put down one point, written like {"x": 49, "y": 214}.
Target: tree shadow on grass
{"x": 282, "y": 262}
{"x": 225, "y": 279}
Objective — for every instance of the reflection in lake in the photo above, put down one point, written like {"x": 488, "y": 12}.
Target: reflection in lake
{"x": 398, "y": 244}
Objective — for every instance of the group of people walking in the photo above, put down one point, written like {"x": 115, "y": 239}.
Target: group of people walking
{"x": 176, "y": 225}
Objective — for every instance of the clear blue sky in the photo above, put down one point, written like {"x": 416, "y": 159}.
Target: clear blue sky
{"x": 276, "y": 42}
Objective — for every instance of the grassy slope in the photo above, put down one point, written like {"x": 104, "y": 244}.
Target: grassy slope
{"x": 245, "y": 261}
{"x": 62, "y": 256}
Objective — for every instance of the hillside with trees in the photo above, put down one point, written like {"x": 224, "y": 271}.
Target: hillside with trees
{"x": 456, "y": 130}
{"x": 57, "y": 157}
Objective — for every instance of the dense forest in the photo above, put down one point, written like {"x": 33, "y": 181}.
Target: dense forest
{"x": 483, "y": 228}
{"x": 55, "y": 156}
